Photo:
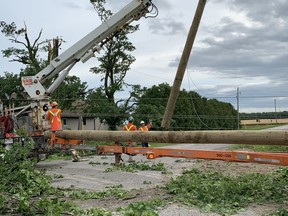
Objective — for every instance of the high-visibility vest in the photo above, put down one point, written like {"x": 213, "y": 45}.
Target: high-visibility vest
{"x": 130, "y": 128}
{"x": 55, "y": 119}
{"x": 145, "y": 128}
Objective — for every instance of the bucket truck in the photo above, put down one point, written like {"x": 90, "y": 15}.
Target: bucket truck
{"x": 83, "y": 50}
{"x": 58, "y": 69}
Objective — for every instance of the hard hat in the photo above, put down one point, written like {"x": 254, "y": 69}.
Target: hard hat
{"x": 54, "y": 103}
{"x": 142, "y": 122}
{"x": 130, "y": 119}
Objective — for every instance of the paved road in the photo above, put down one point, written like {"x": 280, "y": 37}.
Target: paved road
{"x": 92, "y": 174}
{"x": 283, "y": 127}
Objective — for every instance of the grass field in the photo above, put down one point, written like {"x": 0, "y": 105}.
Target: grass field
{"x": 259, "y": 127}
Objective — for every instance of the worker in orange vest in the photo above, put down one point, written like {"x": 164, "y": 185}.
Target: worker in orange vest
{"x": 145, "y": 128}
{"x": 130, "y": 127}
{"x": 54, "y": 116}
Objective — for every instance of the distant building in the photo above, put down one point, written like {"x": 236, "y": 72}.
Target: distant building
{"x": 80, "y": 121}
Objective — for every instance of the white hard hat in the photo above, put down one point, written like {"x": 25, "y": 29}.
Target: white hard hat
{"x": 54, "y": 103}
{"x": 130, "y": 119}
{"x": 142, "y": 122}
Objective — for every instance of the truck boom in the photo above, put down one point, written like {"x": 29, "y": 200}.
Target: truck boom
{"x": 83, "y": 50}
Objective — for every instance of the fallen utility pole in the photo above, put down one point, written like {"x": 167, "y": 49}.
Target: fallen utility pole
{"x": 182, "y": 65}
{"x": 205, "y": 137}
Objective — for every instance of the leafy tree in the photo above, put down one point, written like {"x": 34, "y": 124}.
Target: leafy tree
{"x": 10, "y": 84}
{"x": 71, "y": 90}
{"x": 29, "y": 55}
{"x": 108, "y": 112}
{"x": 114, "y": 64}
{"x": 220, "y": 115}
{"x": 152, "y": 104}
{"x": 191, "y": 111}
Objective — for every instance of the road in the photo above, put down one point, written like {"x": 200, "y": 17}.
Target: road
{"x": 93, "y": 174}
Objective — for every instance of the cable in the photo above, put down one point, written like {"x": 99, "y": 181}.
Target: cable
{"x": 194, "y": 108}
{"x": 154, "y": 11}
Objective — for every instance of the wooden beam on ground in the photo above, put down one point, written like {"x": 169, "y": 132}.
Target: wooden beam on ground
{"x": 205, "y": 137}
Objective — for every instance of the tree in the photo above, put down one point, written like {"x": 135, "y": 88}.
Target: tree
{"x": 152, "y": 103}
{"x": 192, "y": 112}
{"x": 71, "y": 90}
{"x": 10, "y": 83}
{"x": 114, "y": 64}
{"x": 111, "y": 113}
{"x": 29, "y": 55}
{"x": 70, "y": 93}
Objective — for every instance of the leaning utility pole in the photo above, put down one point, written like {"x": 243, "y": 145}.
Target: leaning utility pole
{"x": 182, "y": 65}
{"x": 238, "y": 117}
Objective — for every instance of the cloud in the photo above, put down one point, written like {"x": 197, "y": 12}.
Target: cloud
{"x": 240, "y": 43}
{"x": 235, "y": 48}
{"x": 166, "y": 27}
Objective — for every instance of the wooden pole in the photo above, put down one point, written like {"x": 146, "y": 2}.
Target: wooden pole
{"x": 206, "y": 137}
{"x": 182, "y": 65}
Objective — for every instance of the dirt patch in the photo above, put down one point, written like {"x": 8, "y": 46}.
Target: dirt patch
{"x": 233, "y": 168}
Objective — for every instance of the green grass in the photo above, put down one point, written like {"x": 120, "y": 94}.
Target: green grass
{"x": 212, "y": 191}
{"x": 260, "y": 148}
{"x": 260, "y": 127}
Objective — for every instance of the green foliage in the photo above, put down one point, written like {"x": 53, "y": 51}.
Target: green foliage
{"x": 138, "y": 166}
{"x": 59, "y": 156}
{"x": 152, "y": 104}
{"x": 192, "y": 112}
{"x": 113, "y": 66}
{"x": 25, "y": 190}
{"x": 226, "y": 194}
{"x": 262, "y": 148}
{"x": 71, "y": 91}
{"x": 20, "y": 182}
{"x": 114, "y": 191}
{"x": 259, "y": 127}
{"x": 148, "y": 208}
{"x": 10, "y": 83}
{"x": 28, "y": 54}
{"x": 279, "y": 212}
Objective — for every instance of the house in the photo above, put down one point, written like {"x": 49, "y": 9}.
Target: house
{"x": 73, "y": 120}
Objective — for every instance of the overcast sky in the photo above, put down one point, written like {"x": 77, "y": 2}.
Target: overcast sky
{"x": 240, "y": 44}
